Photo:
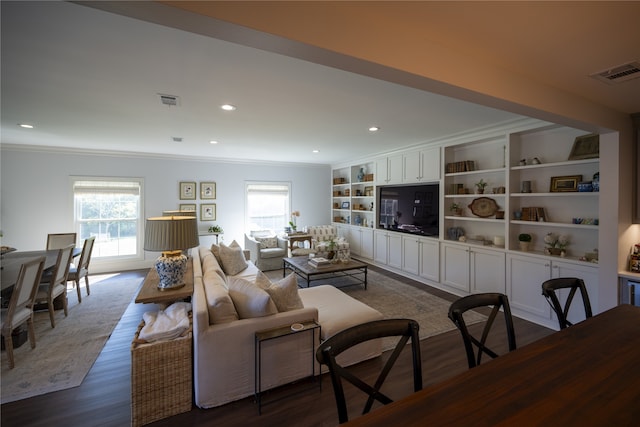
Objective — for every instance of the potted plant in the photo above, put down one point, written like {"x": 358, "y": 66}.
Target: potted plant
{"x": 480, "y": 185}
{"x": 455, "y": 209}
{"x": 525, "y": 241}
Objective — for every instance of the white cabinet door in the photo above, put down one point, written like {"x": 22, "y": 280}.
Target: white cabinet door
{"x": 455, "y": 266}
{"x": 394, "y": 252}
{"x": 430, "y": 168}
{"x": 421, "y": 165}
{"x": 412, "y": 167}
{"x": 487, "y": 271}
{"x": 380, "y": 242}
{"x": 590, "y": 277}
{"x": 524, "y": 281}
{"x": 430, "y": 259}
{"x": 355, "y": 240}
{"x": 411, "y": 254}
{"x": 366, "y": 244}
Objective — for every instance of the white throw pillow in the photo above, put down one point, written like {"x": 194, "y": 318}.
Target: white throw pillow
{"x": 220, "y": 306}
{"x": 267, "y": 242}
{"x": 232, "y": 257}
{"x": 284, "y": 292}
{"x": 250, "y": 301}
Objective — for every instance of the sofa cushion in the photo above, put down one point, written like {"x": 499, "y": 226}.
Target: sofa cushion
{"x": 250, "y": 300}
{"x": 232, "y": 257}
{"x": 210, "y": 264}
{"x": 284, "y": 292}
{"x": 215, "y": 250}
{"x": 220, "y": 305}
{"x": 267, "y": 242}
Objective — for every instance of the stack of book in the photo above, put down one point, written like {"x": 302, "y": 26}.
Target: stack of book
{"x": 319, "y": 262}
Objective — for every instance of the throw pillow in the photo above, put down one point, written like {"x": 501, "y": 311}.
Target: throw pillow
{"x": 215, "y": 249}
{"x": 250, "y": 301}
{"x": 284, "y": 292}
{"x": 267, "y": 242}
{"x": 220, "y": 306}
{"x": 232, "y": 257}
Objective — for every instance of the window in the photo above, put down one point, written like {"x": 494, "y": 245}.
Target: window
{"x": 268, "y": 205}
{"x": 109, "y": 209}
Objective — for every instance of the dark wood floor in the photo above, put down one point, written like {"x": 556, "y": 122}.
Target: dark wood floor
{"x": 103, "y": 399}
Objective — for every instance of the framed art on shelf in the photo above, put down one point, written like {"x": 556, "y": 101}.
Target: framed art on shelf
{"x": 207, "y": 190}
{"x": 565, "y": 183}
{"x": 187, "y": 190}
{"x": 208, "y": 212}
{"x": 585, "y": 147}
{"x": 187, "y": 206}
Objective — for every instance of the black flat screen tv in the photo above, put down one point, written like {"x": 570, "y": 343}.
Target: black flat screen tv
{"x": 410, "y": 209}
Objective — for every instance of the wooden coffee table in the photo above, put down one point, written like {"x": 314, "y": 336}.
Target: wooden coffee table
{"x": 300, "y": 265}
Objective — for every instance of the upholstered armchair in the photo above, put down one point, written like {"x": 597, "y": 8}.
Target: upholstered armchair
{"x": 266, "y": 249}
{"x": 322, "y": 235}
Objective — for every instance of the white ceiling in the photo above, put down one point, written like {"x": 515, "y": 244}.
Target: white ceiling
{"x": 88, "y": 79}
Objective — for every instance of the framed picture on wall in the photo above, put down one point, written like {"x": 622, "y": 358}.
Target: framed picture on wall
{"x": 187, "y": 190}
{"x": 207, "y": 190}
{"x": 188, "y": 207}
{"x": 208, "y": 212}
{"x": 565, "y": 183}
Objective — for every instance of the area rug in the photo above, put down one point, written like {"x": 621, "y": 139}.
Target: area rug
{"x": 395, "y": 299}
{"x": 64, "y": 354}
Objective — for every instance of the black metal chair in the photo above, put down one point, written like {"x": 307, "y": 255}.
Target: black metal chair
{"x": 330, "y": 349}
{"x": 497, "y": 301}
{"x": 549, "y": 289}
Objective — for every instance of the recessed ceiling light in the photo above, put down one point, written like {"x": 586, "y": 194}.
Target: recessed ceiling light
{"x": 228, "y": 107}
{"x": 374, "y": 129}
{"x": 213, "y": 141}
{"x": 315, "y": 151}
{"x": 26, "y": 126}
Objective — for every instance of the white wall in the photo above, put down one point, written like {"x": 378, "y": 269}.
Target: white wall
{"x": 36, "y": 197}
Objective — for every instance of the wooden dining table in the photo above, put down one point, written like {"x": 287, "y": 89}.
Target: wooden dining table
{"x": 588, "y": 374}
{"x": 12, "y": 261}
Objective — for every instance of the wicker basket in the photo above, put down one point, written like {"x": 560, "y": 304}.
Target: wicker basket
{"x": 161, "y": 378}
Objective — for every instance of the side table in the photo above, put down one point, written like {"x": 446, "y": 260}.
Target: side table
{"x": 270, "y": 334}
{"x": 149, "y": 292}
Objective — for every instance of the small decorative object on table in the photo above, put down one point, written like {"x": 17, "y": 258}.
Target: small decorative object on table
{"x": 455, "y": 209}
{"x": 292, "y": 223}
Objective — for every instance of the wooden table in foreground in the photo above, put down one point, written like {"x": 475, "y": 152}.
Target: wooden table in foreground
{"x": 149, "y": 292}
{"x": 583, "y": 375}
{"x": 300, "y": 265}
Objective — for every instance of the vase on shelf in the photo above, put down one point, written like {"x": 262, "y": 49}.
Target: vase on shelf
{"x": 361, "y": 175}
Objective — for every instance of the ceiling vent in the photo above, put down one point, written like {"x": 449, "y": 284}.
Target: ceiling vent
{"x": 619, "y": 74}
{"x": 170, "y": 100}
{"x": 176, "y": 138}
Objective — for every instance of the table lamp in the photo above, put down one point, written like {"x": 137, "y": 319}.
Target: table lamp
{"x": 171, "y": 235}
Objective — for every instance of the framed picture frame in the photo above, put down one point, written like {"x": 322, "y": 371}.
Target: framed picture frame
{"x": 564, "y": 183}
{"x": 187, "y": 190}
{"x": 188, "y": 207}
{"x": 207, "y": 190}
{"x": 585, "y": 147}
{"x": 208, "y": 212}
{"x": 345, "y": 205}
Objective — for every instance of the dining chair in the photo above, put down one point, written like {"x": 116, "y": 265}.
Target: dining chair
{"x": 20, "y": 309}
{"x": 53, "y": 284}
{"x": 549, "y": 289}
{"x": 330, "y": 349}
{"x": 60, "y": 240}
{"x": 497, "y": 301}
{"x": 82, "y": 269}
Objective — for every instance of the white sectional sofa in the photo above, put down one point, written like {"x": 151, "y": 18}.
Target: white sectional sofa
{"x": 224, "y": 342}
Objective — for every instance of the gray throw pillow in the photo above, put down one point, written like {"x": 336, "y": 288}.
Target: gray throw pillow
{"x": 284, "y": 292}
{"x": 232, "y": 257}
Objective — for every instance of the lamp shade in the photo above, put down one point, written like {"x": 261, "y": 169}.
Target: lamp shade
{"x": 170, "y": 233}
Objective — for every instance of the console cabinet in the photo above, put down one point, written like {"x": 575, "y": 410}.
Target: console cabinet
{"x": 472, "y": 269}
{"x": 525, "y": 275}
{"x": 387, "y": 248}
